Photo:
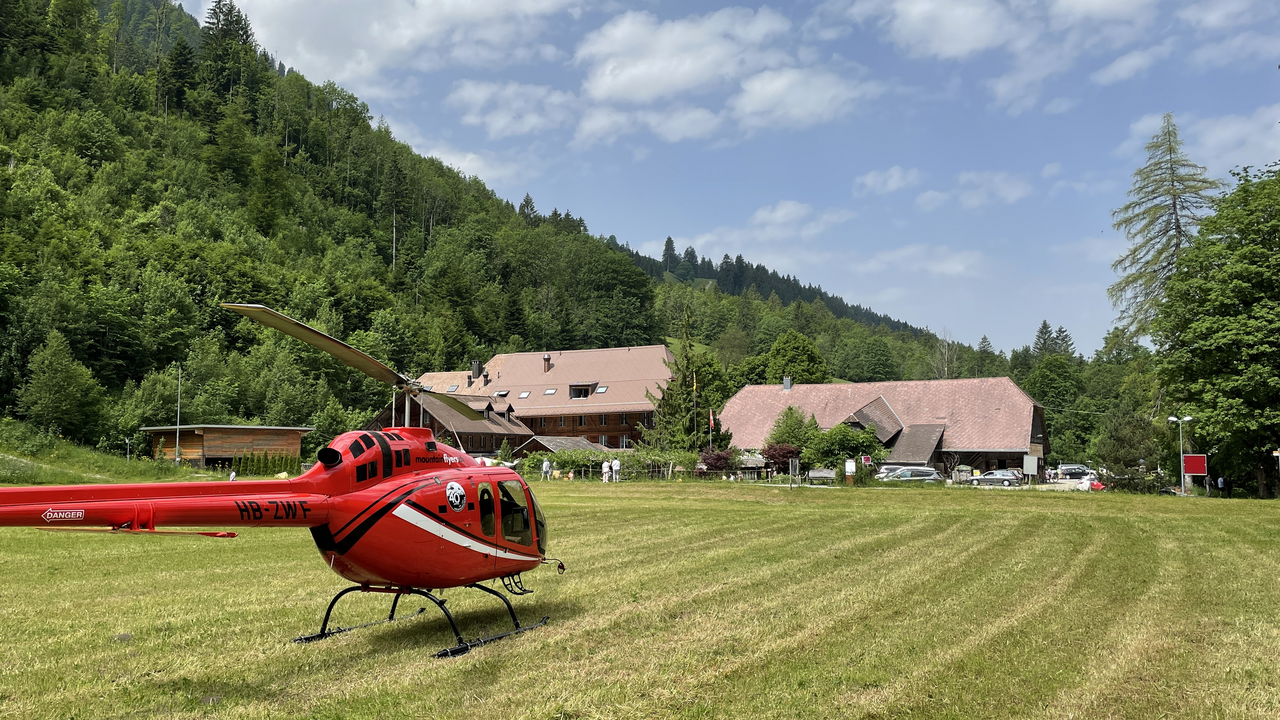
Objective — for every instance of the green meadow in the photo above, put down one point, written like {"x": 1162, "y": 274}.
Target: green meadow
{"x": 687, "y": 600}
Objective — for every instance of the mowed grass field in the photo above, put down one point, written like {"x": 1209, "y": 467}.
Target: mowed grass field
{"x": 687, "y": 600}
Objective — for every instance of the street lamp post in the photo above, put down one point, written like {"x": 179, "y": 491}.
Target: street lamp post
{"x": 1182, "y": 458}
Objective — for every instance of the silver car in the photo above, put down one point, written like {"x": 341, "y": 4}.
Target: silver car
{"x": 1006, "y": 478}
{"x": 926, "y": 474}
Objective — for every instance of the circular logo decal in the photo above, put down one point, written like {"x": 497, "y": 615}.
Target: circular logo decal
{"x": 457, "y": 496}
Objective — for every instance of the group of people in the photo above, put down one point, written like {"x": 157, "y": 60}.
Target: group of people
{"x": 609, "y": 471}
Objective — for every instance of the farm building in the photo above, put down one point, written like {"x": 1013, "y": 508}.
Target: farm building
{"x": 985, "y": 423}
{"x": 599, "y": 395}
{"x": 217, "y": 445}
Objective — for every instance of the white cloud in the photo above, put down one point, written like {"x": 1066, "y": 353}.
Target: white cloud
{"x": 1102, "y": 250}
{"x": 1041, "y": 38}
{"x": 681, "y": 123}
{"x": 1059, "y": 105}
{"x": 636, "y": 58}
{"x": 1051, "y": 170}
{"x": 1222, "y": 143}
{"x": 795, "y": 97}
{"x": 603, "y": 125}
{"x": 1242, "y": 50}
{"x": 1130, "y": 64}
{"x": 930, "y": 200}
{"x": 941, "y": 28}
{"x": 883, "y": 182}
{"x": 354, "y": 42}
{"x": 506, "y": 109}
{"x": 936, "y": 260}
{"x": 778, "y": 235}
{"x": 488, "y": 167}
{"x": 1102, "y": 9}
{"x": 980, "y": 188}
{"x": 1223, "y": 14}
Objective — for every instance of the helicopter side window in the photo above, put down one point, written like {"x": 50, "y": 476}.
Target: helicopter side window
{"x": 486, "y": 509}
{"x": 515, "y": 513}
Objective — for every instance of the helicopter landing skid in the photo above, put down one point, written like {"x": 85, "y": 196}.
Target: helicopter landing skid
{"x": 463, "y": 647}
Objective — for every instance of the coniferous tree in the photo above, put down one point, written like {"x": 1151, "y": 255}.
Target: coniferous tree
{"x": 670, "y": 260}
{"x": 1062, "y": 342}
{"x": 1043, "y": 345}
{"x": 61, "y": 395}
{"x": 1169, "y": 195}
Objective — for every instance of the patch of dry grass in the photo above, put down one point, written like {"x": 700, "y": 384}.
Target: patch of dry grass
{"x": 688, "y": 600}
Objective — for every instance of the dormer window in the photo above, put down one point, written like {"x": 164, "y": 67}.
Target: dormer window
{"x": 581, "y": 392}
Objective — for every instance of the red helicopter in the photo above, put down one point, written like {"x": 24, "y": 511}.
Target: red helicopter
{"x": 394, "y": 511}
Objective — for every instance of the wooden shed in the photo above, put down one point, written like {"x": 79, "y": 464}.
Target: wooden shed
{"x": 216, "y": 445}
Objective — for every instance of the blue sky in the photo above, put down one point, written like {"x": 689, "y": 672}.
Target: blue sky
{"x": 952, "y": 163}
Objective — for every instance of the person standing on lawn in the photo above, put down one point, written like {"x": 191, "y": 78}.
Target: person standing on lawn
{"x": 546, "y": 468}
{"x": 617, "y": 470}
{"x": 604, "y": 471}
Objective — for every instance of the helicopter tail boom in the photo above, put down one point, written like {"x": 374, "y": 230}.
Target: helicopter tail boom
{"x": 148, "y": 506}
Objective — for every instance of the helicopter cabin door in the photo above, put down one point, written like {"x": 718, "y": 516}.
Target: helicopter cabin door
{"x": 486, "y": 515}
{"x": 515, "y": 528}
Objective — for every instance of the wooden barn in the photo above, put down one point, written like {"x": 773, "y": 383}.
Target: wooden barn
{"x": 216, "y": 445}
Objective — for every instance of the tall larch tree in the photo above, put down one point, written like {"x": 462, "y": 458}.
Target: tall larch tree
{"x": 1169, "y": 196}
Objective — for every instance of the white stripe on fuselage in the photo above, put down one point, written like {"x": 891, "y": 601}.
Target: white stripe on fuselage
{"x": 433, "y": 526}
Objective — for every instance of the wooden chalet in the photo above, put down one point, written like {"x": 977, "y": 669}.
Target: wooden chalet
{"x": 217, "y": 445}
{"x": 598, "y": 394}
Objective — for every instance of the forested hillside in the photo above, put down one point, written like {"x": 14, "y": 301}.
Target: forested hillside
{"x": 152, "y": 167}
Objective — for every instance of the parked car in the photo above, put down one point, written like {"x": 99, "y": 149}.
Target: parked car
{"x": 884, "y": 470}
{"x": 1073, "y": 471}
{"x": 926, "y": 474}
{"x": 998, "y": 477}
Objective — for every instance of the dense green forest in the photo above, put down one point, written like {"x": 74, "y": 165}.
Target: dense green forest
{"x": 152, "y": 166}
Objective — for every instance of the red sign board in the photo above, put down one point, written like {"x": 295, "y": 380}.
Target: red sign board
{"x": 1195, "y": 464}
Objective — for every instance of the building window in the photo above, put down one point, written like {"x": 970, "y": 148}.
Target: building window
{"x": 523, "y": 394}
{"x": 542, "y": 422}
{"x": 582, "y": 421}
{"x": 602, "y": 389}
{"x": 502, "y": 393}
{"x": 452, "y": 388}
{"x": 604, "y": 421}
{"x": 549, "y": 391}
{"x": 562, "y": 419}
{"x": 604, "y": 440}
{"x": 426, "y": 389}
{"x": 622, "y": 419}
{"x": 624, "y": 441}
{"x": 579, "y": 392}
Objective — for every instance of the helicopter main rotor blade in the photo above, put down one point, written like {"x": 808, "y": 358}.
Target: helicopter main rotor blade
{"x": 350, "y": 356}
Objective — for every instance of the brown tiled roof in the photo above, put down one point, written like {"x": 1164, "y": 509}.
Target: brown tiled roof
{"x": 626, "y": 373}
{"x": 980, "y": 413}
{"x": 877, "y": 413}
{"x": 917, "y": 443}
{"x": 555, "y": 443}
